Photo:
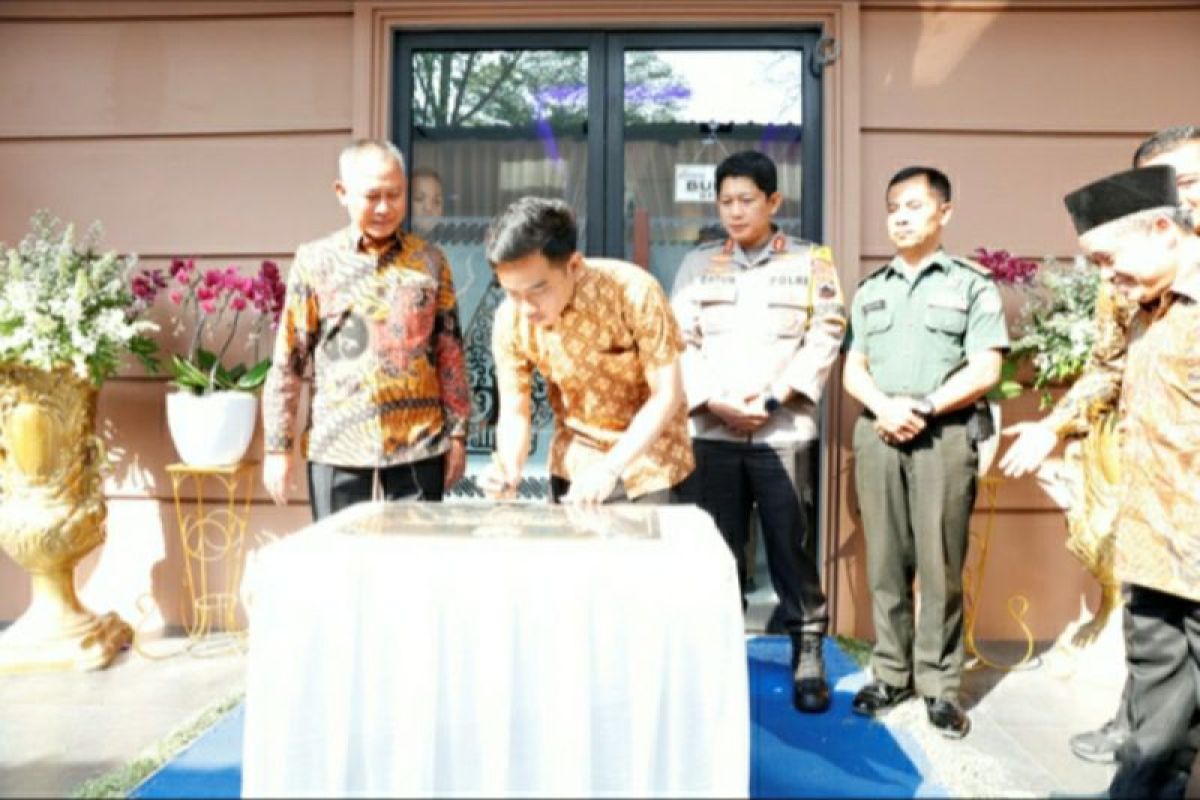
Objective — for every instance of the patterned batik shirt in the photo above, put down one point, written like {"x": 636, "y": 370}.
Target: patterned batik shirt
{"x": 382, "y": 336}
{"x": 616, "y": 327}
{"x": 1158, "y": 521}
{"x": 1096, "y": 391}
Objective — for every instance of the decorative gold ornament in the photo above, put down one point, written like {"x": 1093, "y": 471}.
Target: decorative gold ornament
{"x": 212, "y": 531}
{"x": 1018, "y": 604}
{"x": 1091, "y": 470}
{"x": 52, "y": 514}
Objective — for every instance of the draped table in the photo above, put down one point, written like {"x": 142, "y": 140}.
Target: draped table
{"x": 497, "y": 649}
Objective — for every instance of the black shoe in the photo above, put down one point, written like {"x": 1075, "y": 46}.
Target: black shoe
{"x": 878, "y": 696}
{"x": 810, "y": 691}
{"x": 1100, "y": 745}
{"x": 947, "y": 718}
{"x": 775, "y": 622}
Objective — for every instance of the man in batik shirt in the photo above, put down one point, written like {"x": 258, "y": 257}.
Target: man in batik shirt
{"x": 1093, "y": 396}
{"x": 372, "y": 309}
{"x": 602, "y": 334}
{"x": 1131, "y": 225}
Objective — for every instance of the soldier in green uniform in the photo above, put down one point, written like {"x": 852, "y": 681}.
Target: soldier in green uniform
{"x": 762, "y": 319}
{"x": 926, "y": 341}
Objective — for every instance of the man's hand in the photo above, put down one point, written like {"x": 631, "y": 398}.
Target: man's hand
{"x": 496, "y": 483}
{"x": 744, "y": 416}
{"x": 593, "y": 486}
{"x": 456, "y": 461}
{"x": 897, "y": 421}
{"x": 1034, "y": 442}
{"x": 277, "y": 476}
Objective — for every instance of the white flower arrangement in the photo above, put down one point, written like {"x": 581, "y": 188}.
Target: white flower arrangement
{"x": 1058, "y": 326}
{"x": 62, "y": 304}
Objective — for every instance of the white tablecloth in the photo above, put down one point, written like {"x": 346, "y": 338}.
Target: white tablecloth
{"x": 440, "y": 665}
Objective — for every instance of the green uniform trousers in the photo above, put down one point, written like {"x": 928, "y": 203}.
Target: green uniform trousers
{"x": 916, "y": 501}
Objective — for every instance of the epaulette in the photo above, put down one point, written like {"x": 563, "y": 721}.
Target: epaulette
{"x": 782, "y": 241}
{"x": 974, "y": 266}
{"x": 873, "y": 273}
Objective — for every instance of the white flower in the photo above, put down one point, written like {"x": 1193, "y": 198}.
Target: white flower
{"x": 62, "y": 304}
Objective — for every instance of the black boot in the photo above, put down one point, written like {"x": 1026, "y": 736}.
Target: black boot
{"x": 810, "y": 691}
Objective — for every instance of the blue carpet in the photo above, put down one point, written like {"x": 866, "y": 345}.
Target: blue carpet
{"x": 836, "y": 754}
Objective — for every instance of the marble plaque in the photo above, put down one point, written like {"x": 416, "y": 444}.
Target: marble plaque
{"x": 499, "y": 520}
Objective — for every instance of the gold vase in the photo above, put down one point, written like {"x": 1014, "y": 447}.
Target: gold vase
{"x": 52, "y": 515}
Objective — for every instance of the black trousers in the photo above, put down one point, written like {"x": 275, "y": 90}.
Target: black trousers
{"x": 1162, "y": 652}
{"x": 1189, "y": 757}
{"x": 734, "y": 476}
{"x": 332, "y": 488}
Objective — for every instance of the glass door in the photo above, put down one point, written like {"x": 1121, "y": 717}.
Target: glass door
{"x": 688, "y": 102}
{"x": 483, "y": 123}
{"x": 626, "y": 127}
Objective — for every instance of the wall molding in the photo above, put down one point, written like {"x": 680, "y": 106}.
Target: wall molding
{"x": 1037, "y": 6}
{"x": 145, "y": 10}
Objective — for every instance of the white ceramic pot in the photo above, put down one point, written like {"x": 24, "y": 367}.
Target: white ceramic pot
{"x": 211, "y": 430}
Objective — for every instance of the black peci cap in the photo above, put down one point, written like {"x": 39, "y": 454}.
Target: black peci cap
{"x": 1120, "y": 195}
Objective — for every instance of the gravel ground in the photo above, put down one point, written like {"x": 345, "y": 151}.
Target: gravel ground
{"x": 957, "y": 766}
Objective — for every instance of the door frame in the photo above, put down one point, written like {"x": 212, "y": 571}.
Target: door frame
{"x": 375, "y": 21}
{"x": 402, "y": 88}
{"x": 804, "y": 39}
{"x": 605, "y": 234}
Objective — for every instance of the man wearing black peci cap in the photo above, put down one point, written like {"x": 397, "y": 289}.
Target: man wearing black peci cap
{"x": 1094, "y": 394}
{"x": 1130, "y": 224}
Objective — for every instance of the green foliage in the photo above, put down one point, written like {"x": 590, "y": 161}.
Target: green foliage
{"x": 122, "y": 781}
{"x": 207, "y": 374}
{"x": 858, "y": 649}
{"x": 1057, "y": 328}
{"x": 1008, "y": 387}
{"x": 516, "y": 88}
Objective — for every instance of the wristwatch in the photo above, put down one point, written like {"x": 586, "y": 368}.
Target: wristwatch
{"x": 924, "y": 407}
{"x": 771, "y": 403}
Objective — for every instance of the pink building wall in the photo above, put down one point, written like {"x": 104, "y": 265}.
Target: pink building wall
{"x": 210, "y": 129}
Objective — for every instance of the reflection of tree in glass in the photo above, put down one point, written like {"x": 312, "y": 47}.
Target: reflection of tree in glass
{"x": 784, "y": 71}
{"x": 520, "y": 87}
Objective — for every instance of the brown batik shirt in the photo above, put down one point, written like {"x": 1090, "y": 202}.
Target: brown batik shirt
{"x": 616, "y": 326}
{"x": 382, "y": 336}
{"x": 1158, "y": 521}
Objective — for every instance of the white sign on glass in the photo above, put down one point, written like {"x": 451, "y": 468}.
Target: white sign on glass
{"x": 694, "y": 183}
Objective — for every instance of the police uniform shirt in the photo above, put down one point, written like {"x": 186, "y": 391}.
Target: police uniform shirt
{"x": 755, "y": 320}
{"x": 916, "y": 328}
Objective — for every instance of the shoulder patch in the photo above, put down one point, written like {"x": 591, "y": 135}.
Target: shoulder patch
{"x": 989, "y": 303}
{"x": 824, "y": 276}
{"x": 822, "y": 252}
{"x": 872, "y": 274}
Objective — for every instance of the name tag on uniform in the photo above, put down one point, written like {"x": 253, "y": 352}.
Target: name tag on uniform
{"x": 875, "y": 305}
{"x": 788, "y": 280}
{"x": 716, "y": 289}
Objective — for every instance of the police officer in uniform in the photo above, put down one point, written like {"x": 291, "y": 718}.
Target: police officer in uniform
{"x": 763, "y": 319}
{"x": 926, "y": 341}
